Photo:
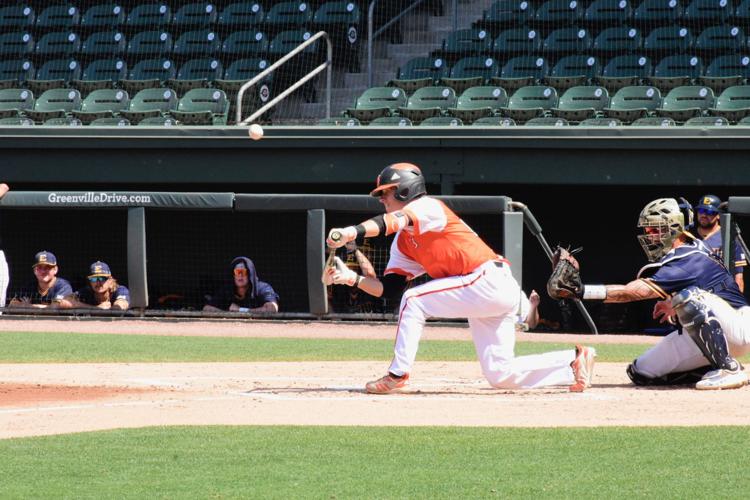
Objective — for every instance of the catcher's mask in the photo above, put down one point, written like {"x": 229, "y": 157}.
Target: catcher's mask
{"x": 405, "y": 177}
{"x": 661, "y": 222}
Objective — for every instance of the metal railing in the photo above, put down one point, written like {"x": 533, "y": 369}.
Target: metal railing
{"x": 293, "y": 87}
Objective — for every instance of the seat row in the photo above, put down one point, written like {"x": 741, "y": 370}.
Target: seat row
{"x": 540, "y": 101}
{"x": 499, "y": 121}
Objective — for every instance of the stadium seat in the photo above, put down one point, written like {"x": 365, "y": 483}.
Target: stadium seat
{"x": 341, "y": 20}
{"x": 16, "y": 44}
{"x": 339, "y": 122}
{"x": 241, "y": 15}
{"x": 109, "y": 122}
{"x": 149, "y": 16}
{"x": 104, "y": 43}
{"x": 285, "y": 15}
{"x": 463, "y": 43}
{"x": 572, "y": 71}
{"x": 521, "y": 71}
{"x": 441, "y": 121}
{"x": 105, "y": 16}
{"x": 733, "y": 104}
{"x": 391, "y": 121}
{"x": 198, "y": 43}
{"x": 202, "y": 107}
{"x": 601, "y": 122}
{"x": 243, "y": 70}
{"x": 567, "y": 41}
{"x": 194, "y": 15}
{"x": 58, "y": 17}
{"x": 245, "y": 44}
{"x": 707, "y": 121}
{"x": 157, "y": 121}
{"x": 62, "y": 121}
{"x": 494, "y": 121}
{"x": 668, "y": 41}
{"x": 531, "y": 102}
{"x": 55, "y": 73}
{"x": 16, "y": 121}
{"x": 150, "y": 103}
{"x": 708, "y": 12}
{"x": 723, "y": 39}
{"x": 742, "y": 14}
{"x": 196, "y": 73}
{"x": 103, "y": 103}
{"x": 16, "y": 17}
{"x": 14, "y": 101}
{"x": 376, "y": 102}
{"x": 617, "y": 40}
{"x": 147, "y": 74}
{"x": 428, "y": 102}
{"x": 151, "y": 43}
{"x": 558, "y": 13}
{"x": 101, "y": 74}
{"x": 651, "y": 13}
{"x": 745, "y": 122}
{"x": 54, "y": 103}
{"x": 654, "y": 121}
{"x": 632, "y": 103}
{"x": 504, "y": 13}
{"x": 515, "y": 42}
{"x": 676, "y": 71}
{"x": 608, "y": 13}
{"x": 726, "y": 71}
{"x": 685, "y": 102}
{"x": 57, "y": 44}
{"x": 582, "y": 102}
{"x": 547, "y": 121}
{"x": 471, "y": 72}
{"x": 625, "y": 71}
{"x": 14, "y": 72}
{"x": 304, "y": 62}
{"x": 479, "y": 102}
{"x": 420, "y": 72}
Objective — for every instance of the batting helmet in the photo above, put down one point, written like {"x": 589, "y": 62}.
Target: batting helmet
{"x": 405, "y": 177}
{"x": 710, "y": 203}
{"x": 661, "y": 221}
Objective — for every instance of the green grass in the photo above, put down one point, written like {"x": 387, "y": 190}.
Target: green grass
{"x": 24, "y": 347}
{"x": 362, "y": 462}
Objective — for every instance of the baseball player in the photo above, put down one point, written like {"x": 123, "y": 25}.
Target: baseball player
{"x": 247, "y": 293}
{"x": 469, "y": 281}
{"x": 4, "y": 274}
{"x": 696, "y": 290}
{"x": 103, "y": 292}
{"x": 49, "y": 290}
{"x": 708, "y": 229}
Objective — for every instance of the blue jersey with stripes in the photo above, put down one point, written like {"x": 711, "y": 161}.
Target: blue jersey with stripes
{"x": 713, "y": 242}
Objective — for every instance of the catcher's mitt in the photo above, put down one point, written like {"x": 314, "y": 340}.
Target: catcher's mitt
{"x": 565, "y": 281}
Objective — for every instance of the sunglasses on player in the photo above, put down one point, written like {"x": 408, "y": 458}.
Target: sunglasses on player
{"x": 706, "y": 211}
{"x": 98, "y": 279}
{"x": 240, "y": 272}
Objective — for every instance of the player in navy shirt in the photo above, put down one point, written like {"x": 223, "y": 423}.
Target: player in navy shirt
{"x": 246, "y": 293}
{"x": 49, "y": 290}
{"x": 103, "y": 292}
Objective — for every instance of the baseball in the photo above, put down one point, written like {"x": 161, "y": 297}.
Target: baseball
{"x": 255, "y": 132}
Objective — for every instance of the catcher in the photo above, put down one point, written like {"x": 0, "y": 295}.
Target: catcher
{"x": 695, "y": 291}
{"x": 469, "y": 281}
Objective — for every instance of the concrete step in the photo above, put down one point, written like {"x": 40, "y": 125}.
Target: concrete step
{"x": 318, "y": 109}
{"x": 411, "y": 50}
{"x": 341, "y": 94}
{"x": 464, "y": 20}
{"x": 390, "y": 65}
{"x": 360, "y": 79}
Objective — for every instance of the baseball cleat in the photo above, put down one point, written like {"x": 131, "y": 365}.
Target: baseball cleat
{"x": 583, "y": 368}
{"x": 388, "y": 384}
{"x": 717, "y": 380}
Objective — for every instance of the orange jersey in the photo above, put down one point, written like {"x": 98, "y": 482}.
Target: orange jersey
{"x": 438, "y": 243}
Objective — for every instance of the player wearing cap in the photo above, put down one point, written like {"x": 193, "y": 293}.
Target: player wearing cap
{"x": 49, "y": 290}
{"x": 469, "y": 281}
{"x": 247, "y": 293}
{"x": 103, "y": 292}
{"x": 4, "y": 274}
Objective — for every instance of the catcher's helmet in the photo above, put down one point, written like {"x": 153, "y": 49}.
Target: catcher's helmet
{"x": 662, "y": 221}
{"x": 709, "y": 203}
{"x": 405, "y": 177}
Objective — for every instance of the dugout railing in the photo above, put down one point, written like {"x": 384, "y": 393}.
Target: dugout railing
{"x": 166, "y": 246}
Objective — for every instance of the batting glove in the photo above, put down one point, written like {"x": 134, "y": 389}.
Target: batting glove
{"x": 343, "y": 275}
{"x": 346, "y": 234}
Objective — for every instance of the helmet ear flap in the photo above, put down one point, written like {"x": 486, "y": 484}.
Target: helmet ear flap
{"x": 687, "y": 213}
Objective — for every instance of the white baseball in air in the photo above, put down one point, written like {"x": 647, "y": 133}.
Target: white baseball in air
{"x": 255, "y": 132}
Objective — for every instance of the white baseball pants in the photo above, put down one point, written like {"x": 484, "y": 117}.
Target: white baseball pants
{"x": 4, "y": 279}
{"x": 489, "y": 298}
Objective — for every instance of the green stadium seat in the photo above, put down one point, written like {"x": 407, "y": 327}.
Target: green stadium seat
{"x": 676, "y": 71}
{"x": 726, "y": 71}
{"x": 202, "y": 107}
{"x": 104, "y": 43}
{"x": 55, "y": 73}
{"x": 376, "y": 102}
{"x": 617, "y": 40}
{"x": 391, "y": 121}
{"x": 284, "y": 15}
{"x": 197, "y": 43}
{"x": 339, "y": 122}
{"x": 632, "y": 103}
{"x": 521, "y": 71}
{"x": 58, "y": 17}
{"x": 309, "y": 58}
{"x": 62, "y": 121}
{"x": 16, "y": 121}
{"x": 745, "y": 122}
{"x": 245, "y": 44}
{"x": 58, "y": 43}
{"x": 721, "y": 39}
{"x": 149, "y": 16}
{"x": 582, "y": 102}
{"x": 428, "y": 102}
{"x": 101, "y": 74}
{"x": 441, "y": 121}
{"x": 668, "y": 40}
{"x": 689, "y": 101}
{"x": 54, "y": 103}
{"x": 567, "y": 41}
{"x": 14, "y": 72}
{"x": 148, "y": 74}
{"x": 465, "y": 42}
{"x": 516, "y": 41}
{"x": 103, "y": 17}
{"x": 14, "y": 101}
{"x": 547, "y": 121}
{"x": 742, "y": 14}
{"x": 607, "y": 13}
{"x": 103, "y": 103}
{"x": 558, "y": 13}
{"x": 157, "y": 121}
{"x": 572, "y": 71}
{"x": 242, "y": 71}
{"x": 150, "y": 44}
{"x": 341, "y": 20}
{"x": 504, "y": 13}
{"x": 733, "y": 103}
{"x": 110, "y": 122}
{"x": 471, "y": 72}
{"x": 196, "y": 73}
{"x": 420, "y": 72}
{"x": 494, "y": 121}
{"x": 17, "y": 17}
{"x": 600, "y": 122}
{"x": 16, "y": 44}
{"x": 194, "y": 15}
{"x": 657, "y": 13}
{"x": 707, "y": 121}
{"x": 708, "y": 12}
{"x": 150, "y": 103}
{"x": 241, "y": 15}
{"x": 625, "y": 71}
{"x": 479, "y": 102}
{"x": 531, "y": 102}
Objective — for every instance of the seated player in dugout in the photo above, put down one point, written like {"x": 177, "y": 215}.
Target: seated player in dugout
{"x": 49, "y": 290}
{"x": 246, "y": 293}
{"x": 351, "y": 300}
{"x": 103, "y": 290}
{"x": 470, "y": 280}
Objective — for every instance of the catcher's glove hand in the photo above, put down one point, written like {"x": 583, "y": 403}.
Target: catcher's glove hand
{"x": 565, "y": 281}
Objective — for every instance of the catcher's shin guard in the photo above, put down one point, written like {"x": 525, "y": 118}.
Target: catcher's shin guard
{"x": 700, "y": 323}
{"x": 674, "y": 378}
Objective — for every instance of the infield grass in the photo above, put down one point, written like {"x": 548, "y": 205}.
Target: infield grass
{"x": 387, "y": 462}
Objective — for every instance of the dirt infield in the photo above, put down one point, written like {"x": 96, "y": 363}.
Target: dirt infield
{"x": 41, "y": 399}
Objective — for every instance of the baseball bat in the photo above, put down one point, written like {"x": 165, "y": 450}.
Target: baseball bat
{"x": 335, "y": 236}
